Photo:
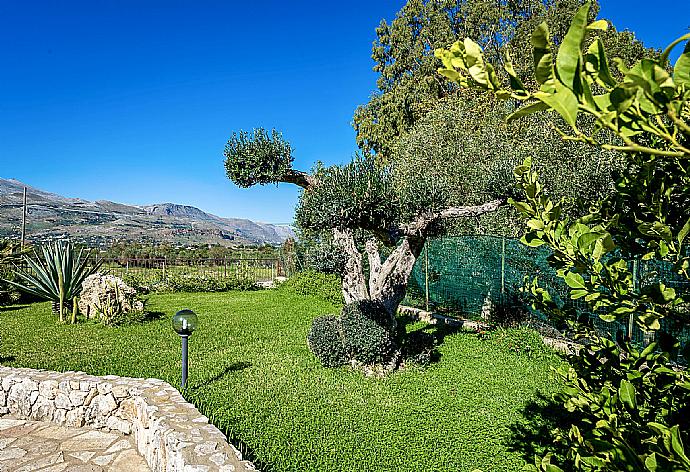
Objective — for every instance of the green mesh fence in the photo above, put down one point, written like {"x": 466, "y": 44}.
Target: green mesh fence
{"x": 461, "y": 274}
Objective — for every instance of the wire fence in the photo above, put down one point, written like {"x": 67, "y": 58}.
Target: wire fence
{"x": 258, "y": 269}
{"x": 465, "y": 274}
{"x": 160, "y": 269}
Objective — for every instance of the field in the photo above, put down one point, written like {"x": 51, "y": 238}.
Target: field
{"x": 253, "y": 375}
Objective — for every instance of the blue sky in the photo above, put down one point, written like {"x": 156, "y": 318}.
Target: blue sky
{"x": 133, "y": 101}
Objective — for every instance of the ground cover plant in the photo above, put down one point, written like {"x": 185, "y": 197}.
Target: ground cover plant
{"x": 253, "y": 375}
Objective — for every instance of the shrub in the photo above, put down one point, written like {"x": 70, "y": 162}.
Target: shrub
{"x": 189, "y": 283}
{"x": 358, "y": 335}
{"x": 326, "y": 341}
{"x": 366, "y": 339}
{"x": 319, "y": 284}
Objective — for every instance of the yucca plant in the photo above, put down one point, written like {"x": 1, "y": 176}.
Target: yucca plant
{"x": 56, "y": 273}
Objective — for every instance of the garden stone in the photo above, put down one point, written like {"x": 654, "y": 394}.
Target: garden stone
{"x": 62, "y": 401}
{"x": 98, "y": 290}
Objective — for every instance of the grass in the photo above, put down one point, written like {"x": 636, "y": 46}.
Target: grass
{"x": 253, "y": 375}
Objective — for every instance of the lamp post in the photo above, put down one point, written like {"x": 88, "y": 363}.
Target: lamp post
{"x": 184, "y": 322}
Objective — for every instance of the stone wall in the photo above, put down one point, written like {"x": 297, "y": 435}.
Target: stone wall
{"x": 169, "y": 432}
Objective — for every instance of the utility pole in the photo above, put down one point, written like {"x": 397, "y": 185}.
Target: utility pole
{"x": 24, "y": 221}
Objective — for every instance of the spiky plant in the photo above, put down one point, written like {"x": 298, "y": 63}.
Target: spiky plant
{"x": 56, "y": 273}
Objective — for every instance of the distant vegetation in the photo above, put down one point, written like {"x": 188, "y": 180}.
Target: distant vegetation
{"x": 132, "y": 250}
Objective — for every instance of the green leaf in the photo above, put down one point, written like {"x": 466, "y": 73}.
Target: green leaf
{"x": 627, "y": 394}
{"x": 531, "y": 241}
{"x": 656, "y": 230}
{"x": 681, "y": 71}
{"x": 600, "y": 25}
{"x": 515, "y": 82}
{"x": 587, "y": 239}
{"x": 563, "y": 101}
{"x": 677, "y": 444}
{"x": 667, "y": 52}
{"x": 527, "y": 110}
{"x": 450, "y": 74}
{"x": 568, "y": 58}
{"x": 650, "y": 462}
{"x": 597, "y": 54}
{"x": 574, "y": 280}
{"x": 522, "y": 207}
{"x": 684, "y": 232}
{"x": 541, "y": 51}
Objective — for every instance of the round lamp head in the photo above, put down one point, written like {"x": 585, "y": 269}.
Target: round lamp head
{"x": 184, "y": 322}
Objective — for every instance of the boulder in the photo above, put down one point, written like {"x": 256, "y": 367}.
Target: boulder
{"x": 100, "y": 291}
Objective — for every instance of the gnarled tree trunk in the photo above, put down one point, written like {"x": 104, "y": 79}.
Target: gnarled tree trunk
{"x": 387, "y": 282}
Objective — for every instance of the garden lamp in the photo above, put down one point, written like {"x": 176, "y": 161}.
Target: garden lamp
{"x": 184, "y": 323}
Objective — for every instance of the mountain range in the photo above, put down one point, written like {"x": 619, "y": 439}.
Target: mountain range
{"x": 102, "y": 223}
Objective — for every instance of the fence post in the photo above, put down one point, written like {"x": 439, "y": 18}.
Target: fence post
{"x": 164, "y": 259}
{"x": 225, "y": 267}
{"x": 426, "y": 275}
{"x": 503, "y": 266}
{"x": 127, "y": 268}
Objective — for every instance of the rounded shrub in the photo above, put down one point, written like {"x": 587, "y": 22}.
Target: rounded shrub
{"x": 326, "y": 341}
{"x": 366, "y": 335}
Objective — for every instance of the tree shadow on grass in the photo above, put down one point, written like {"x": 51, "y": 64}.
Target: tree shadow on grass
{"x": 152, "y": 316}
{"x": 234, "y": 367}
{"x": 533, "y": 433}
{"x": 420, "y": 345}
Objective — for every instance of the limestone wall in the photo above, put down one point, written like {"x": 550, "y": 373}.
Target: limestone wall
{"x": 169, "y": 432}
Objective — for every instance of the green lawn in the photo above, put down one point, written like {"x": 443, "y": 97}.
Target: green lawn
{"x": 253, "y": 375}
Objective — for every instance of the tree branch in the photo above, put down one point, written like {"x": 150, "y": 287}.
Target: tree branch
{"x": 419, "y": 226}
{"x": 299, "y": 178}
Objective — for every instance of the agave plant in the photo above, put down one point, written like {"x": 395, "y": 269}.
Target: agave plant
{"x": 56, "y": 273}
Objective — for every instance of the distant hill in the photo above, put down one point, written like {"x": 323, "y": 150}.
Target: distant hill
{"x": 102, "y": 223}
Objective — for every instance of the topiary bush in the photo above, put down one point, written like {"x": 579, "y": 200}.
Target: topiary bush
{"x": 319, "y": 284}
{"x": 362, "y": 335}
{"x": 325, "y": 340}
{"x": 366, "y": 337}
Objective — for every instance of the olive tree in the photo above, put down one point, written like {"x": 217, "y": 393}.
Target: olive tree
{"x": 359, "y": 201}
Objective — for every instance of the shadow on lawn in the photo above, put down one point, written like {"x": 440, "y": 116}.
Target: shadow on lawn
{"x": 532, "y": 435}
{"x": 152, "y": 316}
{"x": 420, "y": 345}
{"x": 234, "y": 367}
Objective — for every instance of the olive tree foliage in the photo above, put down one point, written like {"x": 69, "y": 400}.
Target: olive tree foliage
{"x": 408, "y": 86}
{"x": 466, "y": 146}
{"x": 631, "y": 407}
{"x": 356, "y": 202}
